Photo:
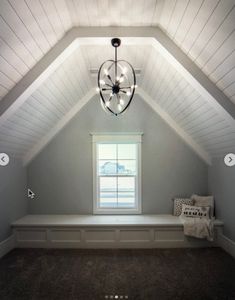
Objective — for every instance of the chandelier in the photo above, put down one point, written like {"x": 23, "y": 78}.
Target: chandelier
{"x": 116, "y": 83}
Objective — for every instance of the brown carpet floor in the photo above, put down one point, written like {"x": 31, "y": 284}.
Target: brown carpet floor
{"x": 153, "y": 274}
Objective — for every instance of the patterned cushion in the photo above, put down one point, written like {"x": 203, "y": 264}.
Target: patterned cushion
{"x": 195, "y": 211}
{"x": 178, "y": 202}
{"x": 204, "y": 201}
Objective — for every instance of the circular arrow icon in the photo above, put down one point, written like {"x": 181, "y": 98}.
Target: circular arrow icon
{"x": 229, "y": 160}
{"x": 4, "y": 159}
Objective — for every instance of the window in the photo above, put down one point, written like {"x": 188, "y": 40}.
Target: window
{"x": 116, "y": 163}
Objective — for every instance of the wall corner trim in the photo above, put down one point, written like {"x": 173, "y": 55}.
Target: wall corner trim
{"x": 7, "y": 245}
{"x": 227, "y": 244}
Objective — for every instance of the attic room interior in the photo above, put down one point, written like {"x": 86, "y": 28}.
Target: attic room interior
{"x": 117, "y": 149}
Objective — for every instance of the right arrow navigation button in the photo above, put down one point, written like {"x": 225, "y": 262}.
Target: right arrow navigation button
{"x": 229, "y": 160}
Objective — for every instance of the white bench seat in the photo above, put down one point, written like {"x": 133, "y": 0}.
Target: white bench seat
{"x": 96, "y": 231}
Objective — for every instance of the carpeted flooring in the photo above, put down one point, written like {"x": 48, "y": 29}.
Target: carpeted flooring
{"x": 151, "y": 274}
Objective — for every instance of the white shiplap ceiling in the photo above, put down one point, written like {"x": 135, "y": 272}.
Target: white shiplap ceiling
{"x": 204, "y": 30}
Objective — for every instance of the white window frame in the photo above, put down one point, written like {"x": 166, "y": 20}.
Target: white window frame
{"x": 112, "y": 138}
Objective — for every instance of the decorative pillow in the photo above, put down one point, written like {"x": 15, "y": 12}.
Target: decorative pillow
{"x": 195, "y": 211}
{"x": 204, "y": 201}
{"x": 178, "y": 202}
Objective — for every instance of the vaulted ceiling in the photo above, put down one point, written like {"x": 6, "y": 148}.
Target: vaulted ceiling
{"x": 204, "y": 30}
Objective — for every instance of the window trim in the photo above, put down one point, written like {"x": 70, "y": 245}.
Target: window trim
{"x": 110, "y": 139}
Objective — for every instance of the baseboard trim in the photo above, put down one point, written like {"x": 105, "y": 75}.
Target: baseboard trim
{"x": 227, "y": 244}
{"x": 7, "y": 245}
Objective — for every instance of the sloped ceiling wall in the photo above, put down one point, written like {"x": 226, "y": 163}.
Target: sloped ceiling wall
{"x": 202, "y": 29}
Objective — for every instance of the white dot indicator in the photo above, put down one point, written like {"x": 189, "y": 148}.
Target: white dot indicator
{"x": 4, "y": 159}
{"x": 229, "y": 160}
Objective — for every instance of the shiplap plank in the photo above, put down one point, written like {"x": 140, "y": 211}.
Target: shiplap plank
{"x": 55, "y": 94}
{"x": 82, "y": 18}
{"x": 157, "y": 12}
{"x": 178, "y": 14}
{"x": 46, "y": 95}
{"x": 50, "y": 107}
{"x": 9, "y": 70}
{"x": 227, "y": 80}
{"x": 187, "y": 21}
{"x": 167, "y": 13}
{"x": 33, "y": 105}
{"x": 187, "y": 99}
{"x": 50, "y": 10}
{"x": 220, "y": 128}
{"x": 10, "y": 55}
{"x": 199, "y": 22}
{"x": 34, "y": 121}
{"x": 6, "y": 82}
{"x": 207, "y": 119}
{"x": 72, "y": 12}
{"x": 216, "y": 20}
{"x": 92, "y": 12}
{"x": 223, "y": 38}
{"x": 163, "y": 96}
{"x": 214, "y": 140}
{"x": 19, "y": 126}
{"x": 29, "y": 21}
{"x": 223, "y": 51}
{"x": 169, "y": 105}
{"x": 187, "y": 110}
{"x": 63, "y": 13}
{"x": 42, "y": 19}
{"x": 7, "y": 34}
{"x": 17, "y": 137}
{"x": 9, "y": 15}
{"x": 230, "y": 90}
{"x": 3, "y": 91}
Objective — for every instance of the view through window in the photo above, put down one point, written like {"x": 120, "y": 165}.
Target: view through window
{"x": 117, "y": 175}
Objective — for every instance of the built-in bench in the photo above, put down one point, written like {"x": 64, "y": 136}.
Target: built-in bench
{"x": 96, "y": 231}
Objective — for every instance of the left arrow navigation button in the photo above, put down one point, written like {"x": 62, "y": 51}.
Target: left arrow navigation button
{"x": 4, "y": 159}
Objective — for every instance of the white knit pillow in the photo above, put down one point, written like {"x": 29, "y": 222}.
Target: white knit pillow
{"x": 204, "y": 201}
{"x": 190, "y": 211}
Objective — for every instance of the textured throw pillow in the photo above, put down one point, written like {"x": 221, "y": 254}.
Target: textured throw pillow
{"x": 204, "y": 201}
{"x": 190, "y": 211}
{"x": 178, "y": 202}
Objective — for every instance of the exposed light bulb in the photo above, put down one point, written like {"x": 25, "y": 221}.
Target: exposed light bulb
{"x": 119, "y": 107}
{"x": 97, "y": 90}
{"x": 136, "y": 86}
{"x": 132, "y": 86}
{"x": 121, "y": 101}
{"x": 106, "y": 72}
{"x": 107, "y": 103}
{"x": 128, "y": 93}
{"x": 111, "y": 94}
{"x": 102, "y": 82}
{"x": 117, "y": 78}
{"x": 121, "y": 79}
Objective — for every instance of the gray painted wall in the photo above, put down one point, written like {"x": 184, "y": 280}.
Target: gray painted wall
{"x": 222, "y": 186}
{"x": 13, "y": 200}
{"x": 61, "y": 175}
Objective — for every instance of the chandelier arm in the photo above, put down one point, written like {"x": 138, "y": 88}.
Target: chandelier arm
{"x": 108, "y": 84}
{"x": 110, "y": 79}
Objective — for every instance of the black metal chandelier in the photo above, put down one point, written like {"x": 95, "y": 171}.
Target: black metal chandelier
{"x": 116, "y": 83}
